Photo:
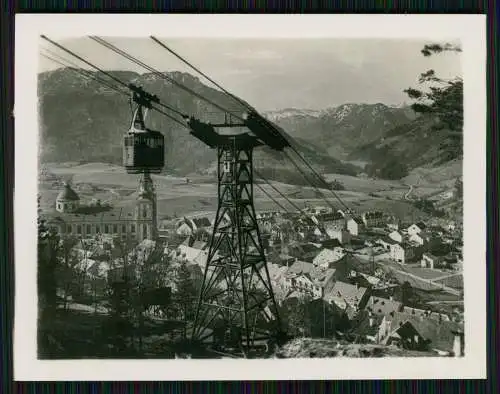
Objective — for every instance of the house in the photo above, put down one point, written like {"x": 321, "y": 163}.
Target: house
{"x": 187, "y": 226}
{"x": 304, "y": 278}
{"x": 396, "y": 236}
{"x": 421, "y": 238}
{"x": 373, "y": 219}
{"x": 341, "y": 234}
{"x": 418, "y": 333}
{"x": 425, "y": 313}
{"x": 366, "y": 327}
{"x": 416, "y": 228}
{"x": 430, "y": 261}
{"x": 402, "y": 253}
{"x": 303, "y": 251}
{"x": 393, "y": 224}
{"x": 355, "y": 225}
{"x": 345, "y": 296}
{"x": 386, "y": 242}
{"x": 276, "y": 274}
{"x": 332, "y": 219}
{"x": 383, "y": 306}
{"x": 327, "y": 256}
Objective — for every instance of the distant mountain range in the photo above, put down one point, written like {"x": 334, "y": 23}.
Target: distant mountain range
{"x": 340, "y": 130}
{"x": 82, "y": 120}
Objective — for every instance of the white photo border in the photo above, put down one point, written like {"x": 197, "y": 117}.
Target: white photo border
{"x": 469, "y": 29}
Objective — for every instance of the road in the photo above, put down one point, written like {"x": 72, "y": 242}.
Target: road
{"x": 448, "y": 289}
{"x": 407, "y": 194}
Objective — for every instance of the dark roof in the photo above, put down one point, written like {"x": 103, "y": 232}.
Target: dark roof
{"x": 373, "y": 215}
{"x": 112, "y": 215}
{"x": 331, "y": 243}
{"x": 68, "y": 194}
{"x": 421, "y": 225}
{"x": 361, "y": 324}
{"x": 330, "y": 216}
{"x": 388, "y": 240}
{"x": 201, "y": 222}
{"x": 383, "y": 306}
{"x": 357, "y": 219}
{"x": 439, "y": 334}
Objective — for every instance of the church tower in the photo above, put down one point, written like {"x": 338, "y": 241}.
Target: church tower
{"x": 145, "y": 211}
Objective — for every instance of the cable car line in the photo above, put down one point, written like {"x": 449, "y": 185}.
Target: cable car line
{"x": 316, "y": 189}
{"x": 120, "y": 82}
{"x": 138, "y": 62}
{"x": 326, "y": 183}
{"x": 90, "y": 75}
{"x": 245, "y": 104}
{"x": 156, "y": 72}
{"x": 236, "y": 98}
{"x": 277, "y": 190}
{"x": 84, "y": 73}
{"x": 272, "y": 198}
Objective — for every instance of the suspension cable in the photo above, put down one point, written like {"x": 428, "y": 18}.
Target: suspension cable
{"x": 85, "y": 73}
{"x": 246, "y": 105}
{"x": 272, "y": 198}
{"x": 164, "y": 46}
{"x": 277, "y": 190}
{"x": 156, "y": 72}
{"x": 142, "y": 64}
{"x": 120, "y": 82}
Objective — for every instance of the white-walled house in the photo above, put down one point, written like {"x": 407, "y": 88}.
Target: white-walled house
{"x": 355, "y": 225}
{"x": 396, "y": 236}
{"x": 401, "y": 253}
{"x": 373, "y": 219}
{"x": 327, "y": 256}
{"x": 416, "y": 228}
{"x": 341, "y": 234}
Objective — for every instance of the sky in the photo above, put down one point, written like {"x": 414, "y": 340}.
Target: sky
{"x": 274, "y": 74}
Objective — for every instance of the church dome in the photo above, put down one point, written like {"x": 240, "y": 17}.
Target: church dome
{"x": 68, "y": 194}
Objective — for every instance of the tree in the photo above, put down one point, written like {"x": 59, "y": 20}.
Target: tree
{"x": 459, "y": 188}
{"x": 186, "y": 292}
{"x": 443, "y": 100}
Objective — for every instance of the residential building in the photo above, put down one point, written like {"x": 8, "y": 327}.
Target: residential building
{"x": 416, "y": 228}
{"x": 430, "y": 261}
{"x": 366, "y": 326}
{"x": 393, "y": 224}
{"x": 418, "y": 333}
{"x": 345, "y": 295}
{"x": 373, "y": 219}
{"x": 187, "y": 226}
{"x": 425, "y": 313}
{"x": 382, "y": 306}
{"x": 396, "y": 236}
{"x": 328, "y": 256}
{"x": 402, "y": 252}
{"x": 332, "y": 219}
{"x": 355, "y": 225}
{"x": 341, "y": 234}
{"x": 386, "y": 243}
{"x": 304, "y": 278}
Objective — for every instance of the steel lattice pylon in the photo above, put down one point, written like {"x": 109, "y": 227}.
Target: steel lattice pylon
{"x": 236, "y": 301}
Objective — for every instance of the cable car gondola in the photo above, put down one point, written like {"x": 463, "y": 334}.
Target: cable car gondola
{"x": 143, "y": 148}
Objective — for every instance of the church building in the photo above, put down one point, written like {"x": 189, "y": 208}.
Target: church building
{"x": 137, "y": 221}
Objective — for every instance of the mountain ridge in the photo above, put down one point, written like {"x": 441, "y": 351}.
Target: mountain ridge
{"x": 82, "y": 120}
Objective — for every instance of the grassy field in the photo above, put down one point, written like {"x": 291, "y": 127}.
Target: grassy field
{"x": 177, "y": 196}
{"x": 424, "y": 273}
{"x": 456, "y": 281}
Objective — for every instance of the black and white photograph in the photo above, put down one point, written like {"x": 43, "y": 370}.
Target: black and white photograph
{"x": 252, "y": 197}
